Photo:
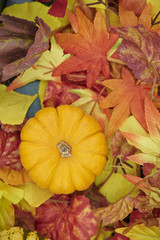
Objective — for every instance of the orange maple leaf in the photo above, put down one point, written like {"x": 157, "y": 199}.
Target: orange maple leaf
{"x": 88, "y": 46}
{"x": 128, "y": 18}
{"x": 127, "y": 97}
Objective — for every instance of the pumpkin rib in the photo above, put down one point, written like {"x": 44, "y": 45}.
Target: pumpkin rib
{"x": 30, "y": 132}
{"x": 83, "y": 182}
{"x": 78, "y": 134}
{"x": 87, "y": 137}
{"x": 45, "y": 126}
{"x": 57, "y": 184}
{"x": 72, "y": 122}
{"x": 95, "y": 144}
{"x": 95, "y": 170}
{"x": 23, "y": 147}
{"x": 44, "y": 183}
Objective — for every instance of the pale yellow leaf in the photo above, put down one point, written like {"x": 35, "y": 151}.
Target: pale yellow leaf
{"x": 131, "y": 125}
{"x": 34, "y": 195}
{"x": 41, "y": 91}
{"x": 141, "y": 232}
{"x": 14, "y": 106}
{"x": 13, "y": 194}
{"x": 7, "y": 217}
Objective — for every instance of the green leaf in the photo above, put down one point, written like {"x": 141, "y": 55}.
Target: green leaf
{"x": 41, "y": 91}
{"x": 141, "y": 232}
{"x": 112, "y": 183}
{"x": 14, "y": 106}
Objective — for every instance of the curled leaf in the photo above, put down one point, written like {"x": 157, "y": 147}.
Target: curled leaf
{"x": 16, "y": 37}
{"x": 34, "y": 52}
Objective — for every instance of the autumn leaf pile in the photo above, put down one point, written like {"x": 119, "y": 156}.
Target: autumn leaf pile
{"x": 103, "y": 57}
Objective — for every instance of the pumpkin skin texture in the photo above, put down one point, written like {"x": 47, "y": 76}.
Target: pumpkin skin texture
{"x": 63, "y": 149}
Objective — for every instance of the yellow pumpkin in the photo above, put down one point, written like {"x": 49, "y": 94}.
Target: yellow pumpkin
{"x": 63, "y": 149}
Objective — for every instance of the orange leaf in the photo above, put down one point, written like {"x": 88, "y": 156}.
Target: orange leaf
{"x": 127, "y": 97}
{"x": 145, "y": 17}
{"x": 88, "y": 47}
{"x": 127, "y": 18}
{"x": 138, "y": 181}
{"x": 14, "y": 177}
{"x": 152, "y": 120}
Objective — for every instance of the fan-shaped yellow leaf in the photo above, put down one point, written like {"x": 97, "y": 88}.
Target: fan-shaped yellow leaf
{"x": 14, "y": 106}
{"x": 35, "y": 195}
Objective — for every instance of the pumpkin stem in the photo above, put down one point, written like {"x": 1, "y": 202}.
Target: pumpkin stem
{"x": 64, "y": 149}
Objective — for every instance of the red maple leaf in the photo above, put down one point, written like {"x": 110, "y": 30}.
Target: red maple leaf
{"x": 88, "y": 46}
{"x": 127, "y": 98}
{"x": 59, "y": 220}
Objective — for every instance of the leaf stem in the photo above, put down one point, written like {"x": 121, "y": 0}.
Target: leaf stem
{"x": 101, "y": 92}
{"x": 107, "y": 17}
{"x": 154, "y": 82}
{"x": 154, "y": 20}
